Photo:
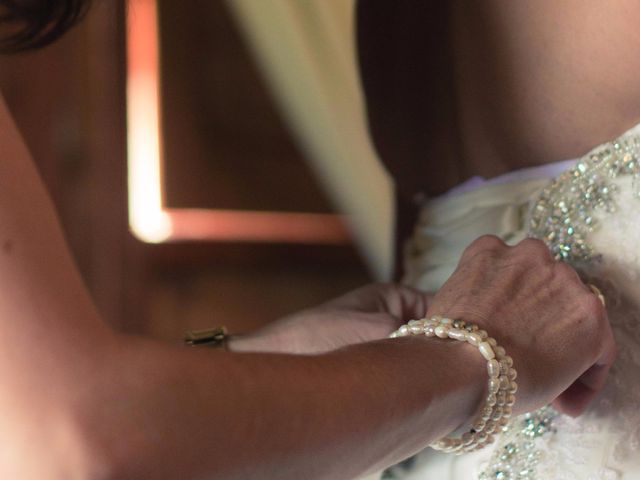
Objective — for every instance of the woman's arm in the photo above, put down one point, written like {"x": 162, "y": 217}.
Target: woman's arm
{"x": 79, "y": 401}
{"x": 169, "y": 413}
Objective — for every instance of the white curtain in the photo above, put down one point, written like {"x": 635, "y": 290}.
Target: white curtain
{"x": 306, "y": 50}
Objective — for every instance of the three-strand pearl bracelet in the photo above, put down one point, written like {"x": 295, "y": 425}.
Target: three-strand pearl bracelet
{"x": 501, "y": 387}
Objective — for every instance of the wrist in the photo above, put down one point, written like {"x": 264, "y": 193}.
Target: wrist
{"x": 500, "y": 375}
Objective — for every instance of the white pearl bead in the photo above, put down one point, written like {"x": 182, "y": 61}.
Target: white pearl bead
{"x": 497, "y": 414}
{"x": 492, "y": 341}
{"x": 494, "y": 385}
{"x": 479, "y": 425}
{"x": 457, "y": 335}
{"x": 486, "y": 351}
{"x": 500, "y": 352}
{"x": 403, "y": 330}
{"x": 446, "y": 321}
{"x": 467, "y": 439}
{"x": 483, "y": 334}
{"x": 430, "y": 331}
{"x": 415, "y": 329}
{"x": 493, "y": 368}
{"x": 513, "y": 388}
{"x": 474, "y": 339}
{"x": 504, "y": 368}
{"x": 442, "y": 331}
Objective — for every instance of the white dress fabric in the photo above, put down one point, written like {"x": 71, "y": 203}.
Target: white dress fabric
{"x": 589, "y": 216}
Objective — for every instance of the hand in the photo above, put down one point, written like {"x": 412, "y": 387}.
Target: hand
{"x": 555, "y": 329}
{"x": 366, "y": 314}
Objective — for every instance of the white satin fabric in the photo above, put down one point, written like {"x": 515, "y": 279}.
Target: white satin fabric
{"x": 447, "y": 225}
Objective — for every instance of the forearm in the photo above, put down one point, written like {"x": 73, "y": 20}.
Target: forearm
{"x": 83, "y": 402}
{"x": 180, "y": 413}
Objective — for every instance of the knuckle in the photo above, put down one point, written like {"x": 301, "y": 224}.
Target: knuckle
{"x": 488, "y": 242}
{"x": 484, "y": 244}
{"x": 533, "y": 249}
{"x": 593, "y": 308}
{"x": 566, "y": 274}
{"x": 591, "y": 322}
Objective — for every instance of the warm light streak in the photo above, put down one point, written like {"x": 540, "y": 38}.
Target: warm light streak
{"x": 149, "y": 220}
{"x": 251, "y": 226}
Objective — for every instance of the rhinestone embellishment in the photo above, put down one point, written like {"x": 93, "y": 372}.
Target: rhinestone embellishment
{"x": 563, "y": 214}
{"x": 516, "y": 456}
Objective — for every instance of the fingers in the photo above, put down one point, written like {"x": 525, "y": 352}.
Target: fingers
{"x": 483, "y": 245}
{"x": 575, "y": 399}
{"x": 403, "y": 303}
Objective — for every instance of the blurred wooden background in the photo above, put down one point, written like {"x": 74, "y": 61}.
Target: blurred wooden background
{"x": 226, "y": 148}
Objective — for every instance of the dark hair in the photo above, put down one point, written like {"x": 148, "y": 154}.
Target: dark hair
{"x": 30, "y": 24}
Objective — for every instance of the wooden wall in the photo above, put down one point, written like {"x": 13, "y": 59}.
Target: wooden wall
{"x": 69, "y": 101}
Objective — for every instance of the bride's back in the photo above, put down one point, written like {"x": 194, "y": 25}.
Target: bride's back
{"x": 479, "y": 88}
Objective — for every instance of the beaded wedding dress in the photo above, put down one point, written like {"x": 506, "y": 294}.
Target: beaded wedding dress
{"x": 588, "y": 212}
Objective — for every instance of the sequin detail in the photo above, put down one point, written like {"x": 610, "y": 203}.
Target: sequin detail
{"x": 564, "y": 213}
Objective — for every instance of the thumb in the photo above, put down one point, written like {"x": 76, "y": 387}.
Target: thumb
{"x": 404, "y": 303}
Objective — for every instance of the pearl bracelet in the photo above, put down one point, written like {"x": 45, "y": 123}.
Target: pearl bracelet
{"x": 501, "y": 387}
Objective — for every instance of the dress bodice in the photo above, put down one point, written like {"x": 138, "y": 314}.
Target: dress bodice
{"x": 589, "y": 216}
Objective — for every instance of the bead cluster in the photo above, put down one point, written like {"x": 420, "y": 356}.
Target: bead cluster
{"x": 516, "y": 456}
{"x": 565, "y": 212}
{"x": 501, "y": 387}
